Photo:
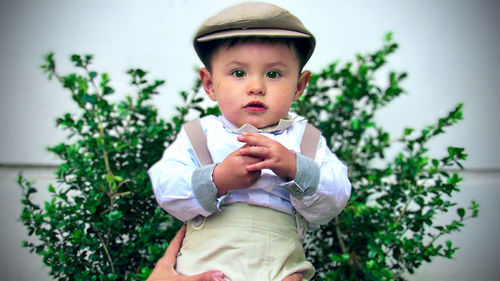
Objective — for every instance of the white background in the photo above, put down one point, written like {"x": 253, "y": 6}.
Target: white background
{"x": 449, "y": 48}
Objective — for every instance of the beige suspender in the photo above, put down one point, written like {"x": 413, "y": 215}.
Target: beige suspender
{"x": 194, "y": 131}
{"x": 198, "y": 140}
{"x": 310, "y": 140}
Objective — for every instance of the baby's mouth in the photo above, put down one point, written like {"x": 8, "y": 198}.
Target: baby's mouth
{"x": 255, "y": 106}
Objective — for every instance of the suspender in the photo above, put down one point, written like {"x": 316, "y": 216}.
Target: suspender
{"x": 198, "y": 140}
{"x": 310, "y": 140}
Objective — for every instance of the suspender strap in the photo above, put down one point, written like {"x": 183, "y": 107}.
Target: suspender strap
{"x": 310, "y": 140}
{"x": 198, "y": 140}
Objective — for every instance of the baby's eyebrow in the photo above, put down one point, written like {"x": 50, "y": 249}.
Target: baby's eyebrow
{"x": 237, "y": 63}
{"x": 277, "y": 64}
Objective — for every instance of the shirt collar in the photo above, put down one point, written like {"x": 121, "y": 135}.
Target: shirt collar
{"x": 282, "y": 125}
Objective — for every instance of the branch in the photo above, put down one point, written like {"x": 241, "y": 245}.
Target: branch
{"x": 404, "y": 210}
{"x": 339, "y": 236}
{"x": 101, "y": 129}
{"x": 110, "y": 260}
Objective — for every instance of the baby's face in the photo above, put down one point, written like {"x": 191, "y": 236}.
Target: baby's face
{"x": 254, "y": 83}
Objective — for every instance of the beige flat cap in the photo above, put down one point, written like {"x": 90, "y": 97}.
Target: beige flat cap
{"x": 253, "y": 19}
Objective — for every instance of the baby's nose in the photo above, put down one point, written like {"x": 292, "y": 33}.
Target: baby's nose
{"x": 256, "y": 87}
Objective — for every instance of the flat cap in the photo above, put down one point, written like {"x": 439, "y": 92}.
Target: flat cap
{"x": 254, "y": 19}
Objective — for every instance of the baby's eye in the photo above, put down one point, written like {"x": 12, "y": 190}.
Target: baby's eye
{"x": 273, "y": 74}
{"x": 238, "y": 73}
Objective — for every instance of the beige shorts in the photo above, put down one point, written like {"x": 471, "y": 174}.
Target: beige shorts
{"x": 247, "y": 243}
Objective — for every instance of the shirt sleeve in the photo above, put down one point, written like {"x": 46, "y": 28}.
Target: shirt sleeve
{"x": 306, "y": 180}
{"x": 172, "y": 179}
{"x": 320, "y": 204}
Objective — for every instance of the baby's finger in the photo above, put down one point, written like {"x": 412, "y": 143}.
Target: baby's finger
{"x": 246, "y": 145}
{"x": 237, "y": 151}
{"x": 255, "y": 151}
{"x": 248, "y": 159}
{"x": 254, "y": 139}
{"x": 259, "y": 166}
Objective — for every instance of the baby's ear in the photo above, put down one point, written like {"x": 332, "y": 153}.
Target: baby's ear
{"x": 302, "y": 83}
{"x": 207, "y": 82}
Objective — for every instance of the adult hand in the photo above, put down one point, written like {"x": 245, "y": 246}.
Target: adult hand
{"x": 233, "y": 174}
{"x": 165, "y": 267}
{"x": 274, "y": 155}
{"x": 294, "y": 277}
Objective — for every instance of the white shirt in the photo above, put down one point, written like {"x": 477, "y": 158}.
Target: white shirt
{"x": 172, "y": 177}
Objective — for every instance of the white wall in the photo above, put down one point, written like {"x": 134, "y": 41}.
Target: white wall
{"x": 450, "y": 49}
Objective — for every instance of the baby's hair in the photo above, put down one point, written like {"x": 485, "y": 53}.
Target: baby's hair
{"x": 298, "y": 45}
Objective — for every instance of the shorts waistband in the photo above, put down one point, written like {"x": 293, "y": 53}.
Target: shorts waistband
{"x": 244, "y": 215}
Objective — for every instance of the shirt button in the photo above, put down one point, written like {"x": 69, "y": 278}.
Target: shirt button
{"x": 197, "y": 221}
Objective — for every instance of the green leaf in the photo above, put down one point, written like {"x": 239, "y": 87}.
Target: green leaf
{"x": 388, "y": 37}
{"x": 109, "y": 178}
{"x": 345, "y": 257}
{"x": 355, "y": 124}
{"x": 461, "y": 212}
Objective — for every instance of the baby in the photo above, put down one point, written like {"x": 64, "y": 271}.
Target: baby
{"x": 250, "y": 181}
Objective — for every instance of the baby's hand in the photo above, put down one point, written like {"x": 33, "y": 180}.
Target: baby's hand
{"x": 274, "y": 155}
{"x": 232, "y": 173}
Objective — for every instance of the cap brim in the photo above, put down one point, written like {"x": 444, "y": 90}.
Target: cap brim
{"x": 252, "y": 32}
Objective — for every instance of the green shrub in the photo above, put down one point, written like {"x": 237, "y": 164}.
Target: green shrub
{"x": 103, "y": 222}
{"x": 389, "y": 225}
